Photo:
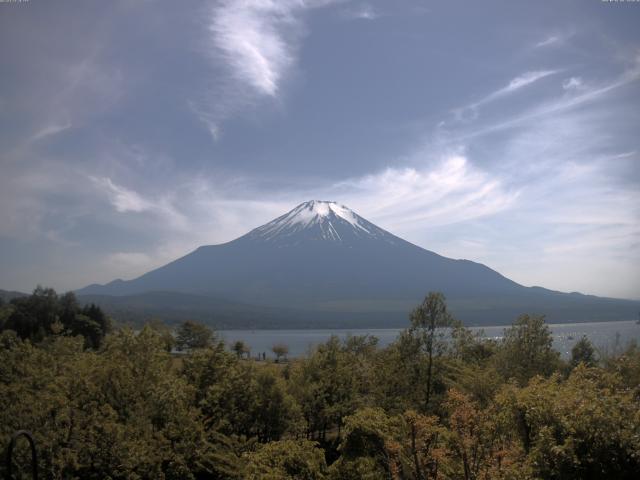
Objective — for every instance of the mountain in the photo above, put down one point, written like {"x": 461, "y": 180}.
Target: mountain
{"x": 323, "y": 261}
{"x": 8, "y": 295}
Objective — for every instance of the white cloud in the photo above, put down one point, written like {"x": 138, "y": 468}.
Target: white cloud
{"x": 361, "y": 12}
{"x": 573, "y": 83}
{"x": 125, "y": 261}
{"x": 451, "y": 191}
{"x": 49, "y": 130}
{"x": 580, "y": 227}
{"x": 207, "y": 119}
{"x": 577, "y": 218}
{"x": 567, "y": 214}
{"x": 550, "y": 40}
{"x": 524, "y": 80}
{"x": 555, "y": 106}
{"x": 516, "y": 84}
{"x": 470, "y": 112}
{"x": 122, "y": 199}
{"x": 257, "y": 43}
{"x": 250, "y": 36}
{"x": 555, "y": 39}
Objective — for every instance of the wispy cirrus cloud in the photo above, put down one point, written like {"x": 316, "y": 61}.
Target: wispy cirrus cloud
{"x": 470, "y": 112}
{"x": 514, "y": 85}
{"x": 554, "y": 39}
{"x": 363, "y": 11}
{"x": 251, "y": 37}
{"x": 125, "y": 200}
{"x": 550, "y": 40}
{"x": 122, "y": 199}
{"x": 578, "y": 94}
{"x": 447, "y": 191}
{"x": 256, "y": 42}
{"x": 561, "y": 155}
{"x": 573, "y": 83}
{"x": 49, "y": 130}
{"x": 522, "y": 81}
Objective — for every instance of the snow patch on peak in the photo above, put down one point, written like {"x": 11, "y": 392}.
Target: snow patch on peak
{"x": 348, "y": 215}
{"x": 323, "y": 220}
{"x": 319, "y": 207}
{"x": 315, "y": 211}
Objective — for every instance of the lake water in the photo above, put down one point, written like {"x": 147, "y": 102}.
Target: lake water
{"x": 603, "y": 335}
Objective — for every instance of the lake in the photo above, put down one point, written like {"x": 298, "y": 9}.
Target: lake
{"x": 603, "y": 335}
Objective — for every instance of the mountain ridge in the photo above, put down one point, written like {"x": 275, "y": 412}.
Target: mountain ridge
{"x": 323, "y": 257}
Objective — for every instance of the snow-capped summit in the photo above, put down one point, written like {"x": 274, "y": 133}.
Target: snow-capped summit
{"x": 319, "y": 220}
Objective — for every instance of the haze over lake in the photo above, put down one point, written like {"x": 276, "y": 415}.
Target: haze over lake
{"x": 604, "y": 335}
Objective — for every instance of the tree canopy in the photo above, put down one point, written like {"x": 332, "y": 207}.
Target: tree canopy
{"x": 45, "y": 313}
{"x": 191, "y": 335}
{"x": 131, "y": 409}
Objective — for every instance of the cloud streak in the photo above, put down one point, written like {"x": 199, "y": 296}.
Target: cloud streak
{"x": 513, "y": 86}
{"x": 250, "y": 37}
{"x": 257, "y": 42}
{"x": 50, "y": 130}
{"x": 361, "y": 12}
{"x": 554, "y": 40}
{"x": 578, "y": 94}
{"x": 122, "y": 199}
{"x": 450, "y": 191}
{"x": 470, "y": 112}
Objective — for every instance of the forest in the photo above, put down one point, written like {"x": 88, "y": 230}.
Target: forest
{"x": 104, "y": 402}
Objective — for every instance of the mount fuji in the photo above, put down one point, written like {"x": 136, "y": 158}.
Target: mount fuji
{"x": 322, "y": 265}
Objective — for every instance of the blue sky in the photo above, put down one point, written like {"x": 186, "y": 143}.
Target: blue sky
{"x": 499, "y": 131}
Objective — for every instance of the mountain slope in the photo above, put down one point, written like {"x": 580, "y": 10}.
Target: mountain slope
{"x": 322, "y": 258}
{"x": 8, "y": 295}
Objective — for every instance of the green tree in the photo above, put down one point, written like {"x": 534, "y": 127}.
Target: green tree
{"x": 399, "y": 373}
{"x": 44, "y": 313}
{"x": 429, "y": 322}
{"x": 300, "y": 460}
{"x": 478, "y": 444}
{"x": 165, "y": 333}
{"x": 250, "y": 401}
{"x": 329, "y": 385}
{"x": 68, "y": 308}
{"x": 280, "y": 350}
{"x": 421, "y": 455}
{"x": 88, "y": 328}
{"x": 5, "y": 313}
{"x": 375, "y": 445}
{"x": 583, "y": 352}
{"x": 34, "y": 316}
{"x": 240, "y": 348}
{"x": 527, "y": 350}
{"x": 626, "y": 366}
{"x": 366, "y": 448}
{"x": 206, "y": 368}
{"x": 95, "y": 313}
{"x": 471, "y": 348}
{"x": 586, "y": 427}
{"x": 276, "y": 411}
{"x": 192, "y": 335}
{"x": 117, "y": 413}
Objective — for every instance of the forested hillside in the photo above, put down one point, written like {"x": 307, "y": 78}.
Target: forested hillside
{"x": 429, "y": 406}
